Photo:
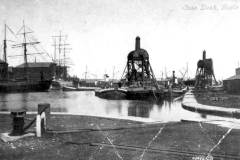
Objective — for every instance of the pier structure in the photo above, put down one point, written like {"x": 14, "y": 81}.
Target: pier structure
{"x": 205, "y": 72}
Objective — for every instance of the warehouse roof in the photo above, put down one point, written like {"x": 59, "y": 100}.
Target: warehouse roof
{"x": 233, "y": 77}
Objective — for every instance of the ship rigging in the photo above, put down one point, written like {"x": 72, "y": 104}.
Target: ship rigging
{"x": 11, "y": 80}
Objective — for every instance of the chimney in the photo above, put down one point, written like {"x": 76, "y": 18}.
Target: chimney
{"x": 137, "y": 44}
{"x": 204, "y": 54}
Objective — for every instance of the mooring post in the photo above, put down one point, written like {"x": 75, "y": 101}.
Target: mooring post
{"x": 42, "y": 118}
{"x": 38, "y": 126}
{"x": 46, "y": 108}
{"x": 18, "y": 122}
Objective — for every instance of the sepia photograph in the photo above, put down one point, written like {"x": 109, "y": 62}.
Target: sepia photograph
{"x": 119, "y": 80}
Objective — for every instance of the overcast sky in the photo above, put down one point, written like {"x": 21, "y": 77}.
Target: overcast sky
{"x": 102, "y": 32}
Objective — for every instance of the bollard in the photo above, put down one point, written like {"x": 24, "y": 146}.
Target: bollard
{"x": 46, "y": 108}
{"x": 42, "y": 118}
{"x": 18, "y": 122}
{"x": 43, "y": 122}
{"x": 38, "y": 126}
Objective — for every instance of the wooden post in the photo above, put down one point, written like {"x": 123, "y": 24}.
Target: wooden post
{"x": 42, "y": 118}
{"x": 38, "y": 126}
{"x": 46, "y": 108}
{"x": 43, "y": 122}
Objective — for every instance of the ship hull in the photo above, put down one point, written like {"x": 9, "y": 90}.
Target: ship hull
{"x": 174, "y": 93}
{"x": 114, "y": 94}
{"x": 62, "y": 85}
{"x": 130, "y": 94}
{"x": 68, "y": 88}
{"x": 24, "y": 86}
{"x": 149, "y": 95}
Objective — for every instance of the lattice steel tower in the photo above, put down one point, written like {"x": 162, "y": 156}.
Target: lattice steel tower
{"x": 138, "y": 68}
{"x": 205, "y": 73}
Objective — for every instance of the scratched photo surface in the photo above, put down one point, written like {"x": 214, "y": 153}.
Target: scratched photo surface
{"x": 119, "y": 79}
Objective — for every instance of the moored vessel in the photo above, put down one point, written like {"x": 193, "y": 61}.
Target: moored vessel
{"x": 138, "y": 79}
{"x": 111, "y": 93}
{"x": 8, "y": 80}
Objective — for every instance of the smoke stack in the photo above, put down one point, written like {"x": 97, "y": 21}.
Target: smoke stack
{"x": 137, "y": 45}
{"x": 204, "y": 54}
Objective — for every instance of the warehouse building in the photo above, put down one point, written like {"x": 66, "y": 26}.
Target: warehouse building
{"x": 35, "y": 71}
{"x": 232, "y": 84}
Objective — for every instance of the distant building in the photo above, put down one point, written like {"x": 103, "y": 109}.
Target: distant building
{"x": 232, "y": 84}
{"x": 34, "y": 71}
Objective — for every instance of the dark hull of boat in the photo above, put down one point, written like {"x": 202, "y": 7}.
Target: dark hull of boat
{"x": 148, "y": 95}
{"x": 55, "y": 85}
{"x": 113, "y": 94}
{"x": 78, "y": 89}
{"x": 173, "y": 93}
{"x": 25, "y": 86}
{"x": 66, "y": 88}
{"x": 87, "y": 88}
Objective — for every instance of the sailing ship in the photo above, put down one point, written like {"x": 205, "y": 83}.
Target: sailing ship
{"x": 8, "y": 82}
{"x": 60, "y": 81}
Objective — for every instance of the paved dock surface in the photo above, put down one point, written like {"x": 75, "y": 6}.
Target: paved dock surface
{"x": 190, "y": 102}
{"x": 94, "y": 138}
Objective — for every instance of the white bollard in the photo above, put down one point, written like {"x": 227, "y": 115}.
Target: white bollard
{"x": 46, "y": 107}
{"x": 38, "y": 126}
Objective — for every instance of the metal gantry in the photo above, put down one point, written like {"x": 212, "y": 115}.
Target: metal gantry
{"x": 138, "y": 70}
{"x": 205, "y": 72}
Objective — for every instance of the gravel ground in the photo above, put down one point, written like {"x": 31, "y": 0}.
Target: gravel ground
{"x": 94, "y": 138}
{"x": 220, "y": 99}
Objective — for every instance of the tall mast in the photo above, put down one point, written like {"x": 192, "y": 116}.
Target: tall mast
{"x": 5, "y": 44}
{"x": 64, "y": 53}
{"x": 86, "y": 73}
{"x": 25, "y": 52}
{"x": 59, "y": 49}
{"x": 64, "y": 63}
{"x": 113, "y": 73}
{"x": 55, "y": 43}
{"x": 24, "y": 44}
{"x": 60, "y": 45}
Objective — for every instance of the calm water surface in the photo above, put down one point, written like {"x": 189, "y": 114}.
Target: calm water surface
{"x": 86, "y": 103}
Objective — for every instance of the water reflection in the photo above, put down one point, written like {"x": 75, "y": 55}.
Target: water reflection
{"x": 140, "y": 108}
{"x": 138, "y": 111}
{"x": 113, "y": 106}
{"x": 204, "y": 116}
{"x": 24, "y": 100}
{"x": 3, "y": 102}
{"x": 85, "y": 103}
